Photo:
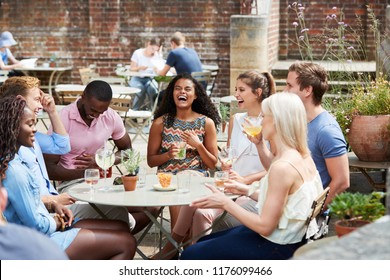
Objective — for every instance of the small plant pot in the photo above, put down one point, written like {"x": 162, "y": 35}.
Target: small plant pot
{"x": 344, "y": 227}
{"x": 224, "y": 124}
{"x": 129, "y": 182}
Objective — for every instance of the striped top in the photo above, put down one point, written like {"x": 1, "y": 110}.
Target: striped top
{"x": 172, "y": 134}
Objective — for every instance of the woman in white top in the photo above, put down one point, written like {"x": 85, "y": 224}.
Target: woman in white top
{"x": 144, "y": 60}
{"x": 252, "y": 87}
{"x": 284, "y": 195}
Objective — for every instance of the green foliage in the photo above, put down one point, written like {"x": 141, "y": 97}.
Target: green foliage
{"x": 225, "y": 112}
{"x": 163, "y": 79}
{"x": 367, "y": 99}
{"x": 367, "y": 207}
{"x": 131, "y": 160}
{"x": 342, "y": 42}
{"x": 53, "y": 57}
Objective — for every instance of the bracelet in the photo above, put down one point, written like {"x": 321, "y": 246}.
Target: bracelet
{"x": 62, "y": 227}
{"x": 49, "y": 206}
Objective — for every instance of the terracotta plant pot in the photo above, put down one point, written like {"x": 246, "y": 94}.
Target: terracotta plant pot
{"x": 224, "y": 124}
{"x": 369, "y": 137}
{"x": 129, "y": 182}
{"x": 343, "y": 227}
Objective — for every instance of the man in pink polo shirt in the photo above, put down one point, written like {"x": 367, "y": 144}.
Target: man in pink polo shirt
{"x": 90, "y": 123}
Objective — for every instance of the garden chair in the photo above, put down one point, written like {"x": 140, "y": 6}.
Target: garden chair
{"x": 203, "y": 77}
{"x": 86, "y": 74}
{"x": 3, "y": 75}
{"x": 139, "y": 120}
{"x": 214, "y": 69}
{"x": 317, "y": 207}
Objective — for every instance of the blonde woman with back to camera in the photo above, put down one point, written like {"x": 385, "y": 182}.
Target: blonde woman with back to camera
{"x": 284, "y": 195}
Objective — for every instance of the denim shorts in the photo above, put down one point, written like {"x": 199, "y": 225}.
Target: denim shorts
{"x": 64, "y": 238}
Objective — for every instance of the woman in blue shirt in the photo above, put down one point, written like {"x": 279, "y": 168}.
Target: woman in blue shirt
{"x": 86, "y": 239}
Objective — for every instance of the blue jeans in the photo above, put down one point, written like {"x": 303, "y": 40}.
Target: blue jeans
{"x": 145, "y": 98}
{"x": 239, "y": 243}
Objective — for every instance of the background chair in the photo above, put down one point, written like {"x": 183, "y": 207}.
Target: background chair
{"x": 203, "y": 77}
{"x": 110, "y": 80}
{"x": 140, "y": 120}
{"x": 214, "y": 70}
{"x": 89, "y": 74}
{"x": 86, "y": 74}
{"x": 3, "y": 75}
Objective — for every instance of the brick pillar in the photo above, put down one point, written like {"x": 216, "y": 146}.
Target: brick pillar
{"x": 248, "y": 45}
{"x": 384, "y": 47}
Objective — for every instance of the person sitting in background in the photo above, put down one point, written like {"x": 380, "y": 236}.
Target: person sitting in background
{"x": 188, "y": 115}
{"x": 284, "y": 195}
{"x": 22, "y": 243}
{"x": 85, "y": 239}
{"x": 55, "y": 143}
{"x": 183, "y": 59}
{"x": 7, "y": 60}
{"x": 143, "y": 61}
{"x": 90, "y": 122}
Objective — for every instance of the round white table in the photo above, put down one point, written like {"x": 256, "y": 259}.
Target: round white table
{"x": 144, "y": 197}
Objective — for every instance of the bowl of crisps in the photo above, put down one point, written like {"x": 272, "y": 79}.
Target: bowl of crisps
{"x": 164, "y": 179}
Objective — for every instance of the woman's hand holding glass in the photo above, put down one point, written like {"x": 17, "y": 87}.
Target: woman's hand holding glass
{"x": 235, "y": 187}
{"x": 227, "y": 157}
{"x": 252, "y": 128}
{"x": 216, "y": 200}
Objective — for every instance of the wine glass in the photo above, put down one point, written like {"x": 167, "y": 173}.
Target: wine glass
{"x": 252, "y": 126}
{"x": 105, "y": 158}
{"x": 228, "y": 156}
{"x": 91, "y": 177}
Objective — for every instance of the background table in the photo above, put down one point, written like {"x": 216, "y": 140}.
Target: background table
{"x": 363, "y": 165}
{"x": 44, "y": 116}
{"x": 55, "y": 74}
{"x": 76, "y": 90}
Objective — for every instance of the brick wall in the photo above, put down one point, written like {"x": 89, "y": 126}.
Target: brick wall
{"x": 273, "y": 32}
{"x": 315, "y": 14}
{"x": 107, "y": 32}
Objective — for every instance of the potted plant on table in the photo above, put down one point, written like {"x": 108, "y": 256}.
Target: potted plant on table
{"x": 355, "y": 210}
{"x": 130, "y": 161}
{"x": 224, "y": 110}
{"x": 53, "y": 60}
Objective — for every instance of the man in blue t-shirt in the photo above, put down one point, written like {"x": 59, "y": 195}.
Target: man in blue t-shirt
{"x": 326, "y": 141}
{"x": 183, "y": 59}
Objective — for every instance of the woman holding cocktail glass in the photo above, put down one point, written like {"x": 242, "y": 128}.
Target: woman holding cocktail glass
{"x": 187, "y": 115}
{"x": 252, "y": 88}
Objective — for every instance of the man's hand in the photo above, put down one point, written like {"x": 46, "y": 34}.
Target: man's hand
{"x": 85, "y": 161}
{"x": 48, "y": 103}
{"x": 64, "y": 199}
